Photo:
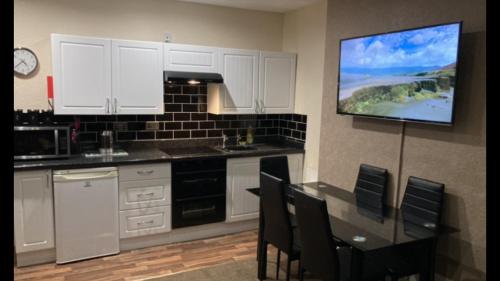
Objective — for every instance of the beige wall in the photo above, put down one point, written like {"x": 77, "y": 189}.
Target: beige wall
{"x": 453, "y": 155}
{"x": 304, "y": 33}
{"x": 34, "y": 20}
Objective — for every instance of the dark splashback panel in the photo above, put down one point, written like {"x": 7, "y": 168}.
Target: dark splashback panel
{"x": 186, "y": 117}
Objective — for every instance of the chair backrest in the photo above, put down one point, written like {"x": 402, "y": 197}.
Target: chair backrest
{"x": 318, "y": 253}
{"x": 276, "y": 166}
{"x": 277, "y": 225}
{"x": 423, "y": 201}
{"x": 371, "y": 187}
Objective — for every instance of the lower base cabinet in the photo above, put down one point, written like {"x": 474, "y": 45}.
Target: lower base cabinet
{"x": 145, "y": 221}
{"x": 243, "y": 173}
{"x": 33, "y": 211}
{"x": 145, "y": 200}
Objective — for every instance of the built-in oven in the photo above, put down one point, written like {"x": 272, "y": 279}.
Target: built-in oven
{"x": 198, "y": 191}
{"x": 41, "y": 142}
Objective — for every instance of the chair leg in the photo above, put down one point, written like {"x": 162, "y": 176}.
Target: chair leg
{"x": 288, "y": 263}
{"x": 278, "y": 265}
{"x": 301, "y": 271}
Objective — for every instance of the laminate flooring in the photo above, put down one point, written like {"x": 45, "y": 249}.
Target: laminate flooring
{"x": 150, "y": 262}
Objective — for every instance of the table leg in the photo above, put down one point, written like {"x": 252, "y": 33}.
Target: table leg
{"x": 356, "y": 265}
{"x": 428, "y": 261}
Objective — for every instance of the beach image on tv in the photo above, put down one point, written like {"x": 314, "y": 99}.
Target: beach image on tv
{"x": 409, "y": 74}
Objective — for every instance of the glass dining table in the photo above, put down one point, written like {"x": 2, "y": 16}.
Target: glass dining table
{"x": 390, "y": 234}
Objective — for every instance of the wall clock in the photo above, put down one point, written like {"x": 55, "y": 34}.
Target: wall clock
{"x": 25, "y": 62}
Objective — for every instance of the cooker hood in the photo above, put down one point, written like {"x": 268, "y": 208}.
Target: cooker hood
{"x": 178, "y": 77}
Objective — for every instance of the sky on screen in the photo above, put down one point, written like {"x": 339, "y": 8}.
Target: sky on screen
{"x": 432, "y": 46}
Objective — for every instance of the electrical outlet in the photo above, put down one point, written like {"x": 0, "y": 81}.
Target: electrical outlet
{"x": 168, "y": 37}
{"x": 151, "y": 125}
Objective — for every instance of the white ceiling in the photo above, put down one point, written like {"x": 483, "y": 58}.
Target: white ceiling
{"x": 279, "y": 6}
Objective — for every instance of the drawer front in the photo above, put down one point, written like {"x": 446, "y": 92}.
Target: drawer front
{"x": 145, "y": 194}
{"x": 145, "y": 172}
{"x": 145, "y": 221}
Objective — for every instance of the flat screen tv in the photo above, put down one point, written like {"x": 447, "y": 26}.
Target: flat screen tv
{"x": 407, "y": 75}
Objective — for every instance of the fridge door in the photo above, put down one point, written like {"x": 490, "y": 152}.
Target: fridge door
{"x": 86, "y": 213}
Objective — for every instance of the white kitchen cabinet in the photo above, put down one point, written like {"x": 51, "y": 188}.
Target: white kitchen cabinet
{"x": 277, "y": 82}
{"x": 254, "y": 82}
{"x": 244, "y": 173}
{"x": 145, "y": 199}
{"x": 81, "y": 69}
{"x": 33, "y": 211}
{"x": 137, "y": 76}
{"x": 191, "y": 58}
{"x": 239, "y": 92}
{"x": 100, "y": 76}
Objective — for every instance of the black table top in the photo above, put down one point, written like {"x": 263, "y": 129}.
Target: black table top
{"x": 350, "y": 220}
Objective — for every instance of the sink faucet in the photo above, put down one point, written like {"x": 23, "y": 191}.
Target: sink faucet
{"x": 224, "y": 139}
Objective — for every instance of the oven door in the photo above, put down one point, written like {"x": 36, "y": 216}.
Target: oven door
{"x": 198, "y": 210}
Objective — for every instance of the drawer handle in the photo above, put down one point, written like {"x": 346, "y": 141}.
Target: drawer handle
{"x": 145, "y": 172}
{"x": 145, "y": 222}
{"x": 145, "y": 194}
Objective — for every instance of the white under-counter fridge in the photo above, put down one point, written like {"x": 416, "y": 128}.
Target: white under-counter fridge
{"x": 86, "y": 213}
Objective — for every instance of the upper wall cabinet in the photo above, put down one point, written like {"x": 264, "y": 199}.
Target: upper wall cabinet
{"x": 277, "y": 82}
{"x": 81, "y": 69}
{"x": 191, "y": 58}
{"x": 254, "y": 82}
{"x": 105, "y": 76}
{"x": 240, "y": 90}
{"x": 137, "y": 76}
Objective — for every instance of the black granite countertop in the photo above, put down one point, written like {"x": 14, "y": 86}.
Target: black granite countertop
{"x": 153, "y": 155}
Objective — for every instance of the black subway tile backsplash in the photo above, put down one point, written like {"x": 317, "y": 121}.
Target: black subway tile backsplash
{"x": 186, "y": 117}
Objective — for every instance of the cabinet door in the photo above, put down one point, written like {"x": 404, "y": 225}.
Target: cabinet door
{"x": 240, "y": 89}
{"x": 277, "y": 82}
{"x": 191, "y": 58}
{"x": 137, "y": 77}
{"x": 242, "y": 173}
{"x": 33, "y": 211}
{"x": 81, "y": 69}
{"x": 295, "y": 166}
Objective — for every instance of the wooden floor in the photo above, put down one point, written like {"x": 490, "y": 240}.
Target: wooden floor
{"x": 149, "y": 262}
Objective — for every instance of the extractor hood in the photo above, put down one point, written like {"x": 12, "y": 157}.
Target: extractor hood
{"x": 178, "y": 77}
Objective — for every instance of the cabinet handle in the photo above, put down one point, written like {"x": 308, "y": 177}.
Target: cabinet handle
{"x": 145, "y": 194}
{"x": 145, "y": 222}
{"x": 262, "y": 108}
{"x": 48, "y": 180}
{"x": 145, "y": 172}
{"x": 257, "y": 106}
{"x": 107, "y": 105}
{"x": 116, "y": 105}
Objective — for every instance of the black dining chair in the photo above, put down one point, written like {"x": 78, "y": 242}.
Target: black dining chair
{"x": 371, "y": 187}
{"x": 278, "y": 229}
{"x": 320, "y": 254}
{"x": 276, "y": 166}
{"x": 421, "y": 206}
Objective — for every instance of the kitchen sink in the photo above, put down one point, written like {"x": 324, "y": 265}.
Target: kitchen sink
{"x": 238, "y": 148}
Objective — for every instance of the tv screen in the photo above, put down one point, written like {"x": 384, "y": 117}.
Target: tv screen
{"x": 407, "y": 75}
